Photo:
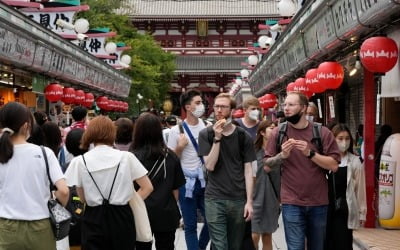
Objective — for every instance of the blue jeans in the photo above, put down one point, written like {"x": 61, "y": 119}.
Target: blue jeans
{"x": 304, "y": 222}
{"x": 226, "y": 223}
{"x": 189, "y": 208}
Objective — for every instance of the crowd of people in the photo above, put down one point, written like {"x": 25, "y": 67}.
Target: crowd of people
{"x": 238, "y": 175}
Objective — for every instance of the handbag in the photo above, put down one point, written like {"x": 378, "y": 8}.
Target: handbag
{"x": 142, "y": 223}
{"x": 60, "y": 218}
{"x": 340, "y": 202}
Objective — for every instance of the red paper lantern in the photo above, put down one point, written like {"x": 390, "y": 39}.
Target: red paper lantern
{"x": 301, "y": 86}
{"x": 89, "y": 99}
{"x": 121, "y": 106}
{"x": 79, "y": 97}
{"x": 379, "y": 54}
{"x": 111, "y": 105}
{"x": 53, "y": 92}
{"x": 68, "y": 95}
{"x": 290, "y": 87}
{"x": 102, "y": 102}
{"x": 126, "y": 107}
{"x": 270, "y": 101}
{"x": 238, "y": 113}
{"x": 330, "y": 75}
{"x": 313, "y": 82}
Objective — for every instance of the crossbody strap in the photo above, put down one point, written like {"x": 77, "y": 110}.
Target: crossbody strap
{"x": 51, "y": 187}
{"x": 155, "y": 171}
{"x": 91, "y": 176}
{"x": 195, "y": 145}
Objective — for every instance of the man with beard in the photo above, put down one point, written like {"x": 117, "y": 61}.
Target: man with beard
{"x": 228, "y": 152}
{"x": 304, "y": 187}
{"x": 183, "y": 140}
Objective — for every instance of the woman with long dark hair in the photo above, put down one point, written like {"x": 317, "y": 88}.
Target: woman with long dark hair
{"x": 166, "y": 175}
{"x": 24, "y": 183}
{"x": 104, "y": 180}
{"x": 266, "y": 207}
{"x": 346, "y": 185}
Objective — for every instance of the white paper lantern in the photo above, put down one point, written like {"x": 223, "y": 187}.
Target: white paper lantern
{"x": 253, "y": 60}
{"x": 126, "y": 59}
{"x": 287, "y": 8}
{"x": 244, "y": 73}
{"x": 111, "y": 47}
{"x": 262, "y": 41}
{"x": 81, "y": 25}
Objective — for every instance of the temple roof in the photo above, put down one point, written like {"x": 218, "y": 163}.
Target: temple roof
{"x": 205, "y": 9}
{"x": 209, "y": 63}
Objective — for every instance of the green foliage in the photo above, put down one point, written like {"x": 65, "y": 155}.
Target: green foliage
{"x": 151, "y": 69}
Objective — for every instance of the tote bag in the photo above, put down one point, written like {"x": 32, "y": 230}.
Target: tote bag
{"x": 142, "y": 223}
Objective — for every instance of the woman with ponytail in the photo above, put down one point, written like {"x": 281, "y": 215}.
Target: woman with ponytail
{"x": 24, "y": 183}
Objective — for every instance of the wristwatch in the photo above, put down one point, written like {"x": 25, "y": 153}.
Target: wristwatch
{"x": 215, "y": 140}
{"x": 311, "y": 154}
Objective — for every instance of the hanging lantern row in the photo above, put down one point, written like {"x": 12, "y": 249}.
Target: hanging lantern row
{"x": 54, "y": 92}
{"x": 377, "y": 54}
{"x": 328, "y": 75}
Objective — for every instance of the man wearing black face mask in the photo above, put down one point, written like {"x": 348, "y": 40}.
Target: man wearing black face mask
{"x": 304, "y": 187}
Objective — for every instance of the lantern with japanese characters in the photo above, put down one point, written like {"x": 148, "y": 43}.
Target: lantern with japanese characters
{"x": 269, "y": 101}
{"x": 379, "y": 54}
{"x": 89, "y": 99}
{"x": 53, "y": 92}
{"x": 301, "y": 86}
{"x": 290, "y": 87}
{"x": 68, "y": 95}
{"x": 102, "y": 102}
{"x": 312, "y": 81}
{"x": 79, "y": 97}
{"x": 330, "y": 75}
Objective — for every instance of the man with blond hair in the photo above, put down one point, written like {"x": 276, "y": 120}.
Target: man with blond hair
{"x": 228, "y": 152}
{"x": 251, "y": 119}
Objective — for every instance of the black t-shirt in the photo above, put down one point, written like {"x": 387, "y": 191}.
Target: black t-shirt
{"x": 161, "y": 205}
{"x": 227, "y": 180}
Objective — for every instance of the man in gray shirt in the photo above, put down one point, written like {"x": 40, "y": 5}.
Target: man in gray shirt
{"x": 228, "y": 152}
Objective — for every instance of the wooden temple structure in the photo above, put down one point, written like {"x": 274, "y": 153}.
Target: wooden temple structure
{"x": 211, "y": 39}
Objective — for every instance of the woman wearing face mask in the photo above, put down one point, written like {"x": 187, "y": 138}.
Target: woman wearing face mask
{"x": 348, "y": 184}
{"x": 266, "y": 206}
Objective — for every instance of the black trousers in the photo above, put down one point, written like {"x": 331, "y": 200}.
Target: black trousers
{"x": 164, "y": 241}
{"x": 338, "y": 235}
{"x": 108, "y": 227}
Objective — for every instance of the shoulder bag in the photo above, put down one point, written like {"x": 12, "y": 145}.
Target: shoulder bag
{"x": 60, "y": 218}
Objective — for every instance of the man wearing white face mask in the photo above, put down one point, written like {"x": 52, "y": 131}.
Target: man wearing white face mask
{"x": 183, "y": 140}
{"x": 251, "y": 119}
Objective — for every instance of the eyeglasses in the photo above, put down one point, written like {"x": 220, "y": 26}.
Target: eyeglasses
{"x": 290, "y": 105}
{"x": 221, "y": 107}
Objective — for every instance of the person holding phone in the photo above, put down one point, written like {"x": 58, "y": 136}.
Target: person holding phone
{"x": 228, "y": 153}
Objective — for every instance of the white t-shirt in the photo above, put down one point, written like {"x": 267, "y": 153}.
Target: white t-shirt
{"x": 189, "y": 157}
{"x": 165, "y": 134}
{"x": 24, "y": 185}
{"x": 102, "y": 162}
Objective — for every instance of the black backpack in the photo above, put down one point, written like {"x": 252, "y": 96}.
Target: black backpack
{"x": 316, "y": 140}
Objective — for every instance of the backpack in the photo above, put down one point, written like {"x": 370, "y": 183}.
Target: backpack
{"x": 316, "y": 140}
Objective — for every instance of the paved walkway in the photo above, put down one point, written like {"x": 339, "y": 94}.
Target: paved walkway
{"x": 377, "y": 239}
